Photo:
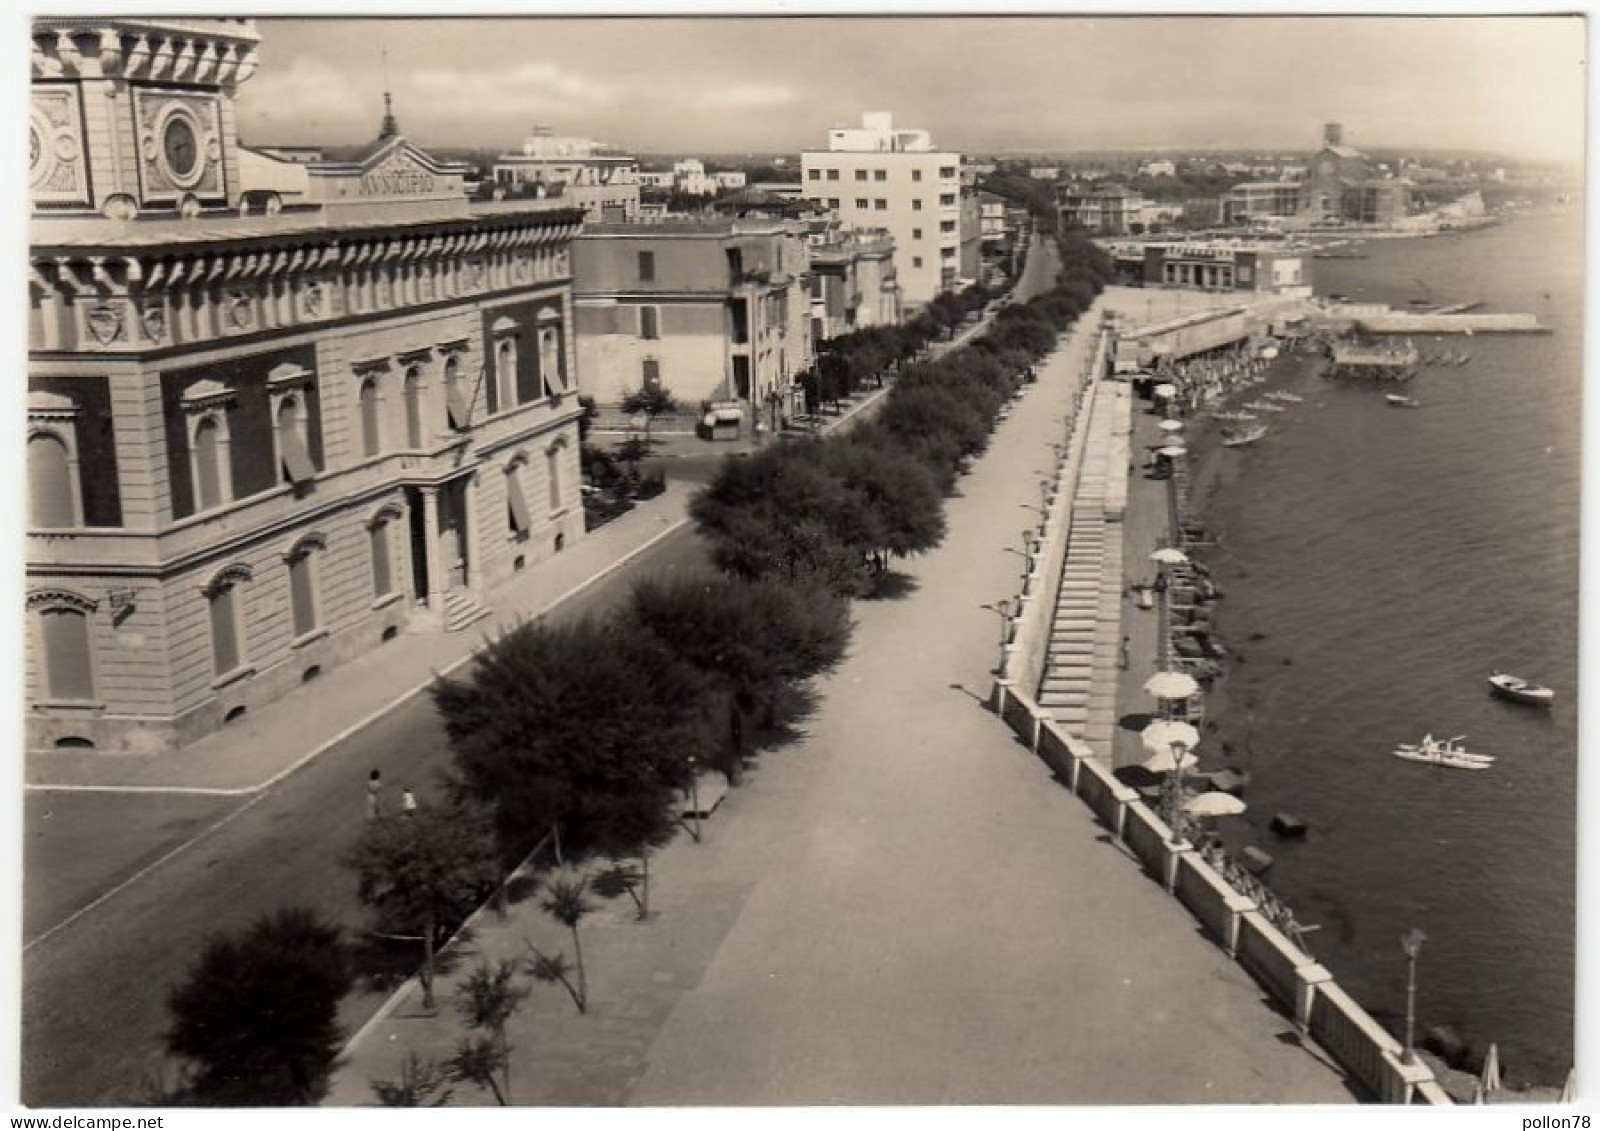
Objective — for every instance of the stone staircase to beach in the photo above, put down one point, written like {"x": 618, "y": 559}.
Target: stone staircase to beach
{"x": 1080, "y": 671}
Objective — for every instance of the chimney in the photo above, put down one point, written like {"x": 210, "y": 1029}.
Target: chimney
{"x": 1333, "y": 134}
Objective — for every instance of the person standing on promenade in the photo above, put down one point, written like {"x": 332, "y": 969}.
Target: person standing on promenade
{"x": 1122, "y": 658}
{"x": 374, "y": 795}
{"x": 408, "y": 803}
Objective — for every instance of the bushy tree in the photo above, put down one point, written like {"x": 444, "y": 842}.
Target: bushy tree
{"x": 583, "y": 726}
{"x": 752, "y": 639}
{"x": 257, "y": 1016}
{"x": 649, "y": 401}
{"x": 424, "y": 873}
{"x": 902, "y": 496}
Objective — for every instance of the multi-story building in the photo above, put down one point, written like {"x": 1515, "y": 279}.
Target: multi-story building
{"x": 991, "y": 216}
{"x": 261, "y": 445}
{"x": 711, "y": 310}
{"x": 881, "y": 177}
{"x": 852, "y": 282}
{"x": 1107, "y": 209}
{"x": 971, "y": 257}
{"x": 1256, "y": 201}
{"x": 1215, "y": 265}
{"x": 598, "y": 178}
{"x": 1340, "y": 184}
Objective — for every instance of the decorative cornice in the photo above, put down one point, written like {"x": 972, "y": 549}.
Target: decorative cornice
{"x": 45, "y": 598}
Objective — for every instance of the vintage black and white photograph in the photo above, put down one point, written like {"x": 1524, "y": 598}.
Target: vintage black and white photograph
{"x": 783, "y": 559}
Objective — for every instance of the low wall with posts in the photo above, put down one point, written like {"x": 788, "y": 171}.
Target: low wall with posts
{"x": 1304, "y": 989}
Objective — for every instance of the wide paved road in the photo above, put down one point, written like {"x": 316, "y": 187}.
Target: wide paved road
{"x": 94, "y": 994}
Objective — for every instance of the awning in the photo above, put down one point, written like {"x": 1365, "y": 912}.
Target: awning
{"x": 296, "y": 461}
{"x": 518, "y": 504}
{"x": 457, "y": 405}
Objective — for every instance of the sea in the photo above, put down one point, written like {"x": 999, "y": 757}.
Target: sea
{"x": 1378, "y": 564}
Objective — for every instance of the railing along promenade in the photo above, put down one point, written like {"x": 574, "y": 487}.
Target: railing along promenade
{"x": 1305, "y": 990}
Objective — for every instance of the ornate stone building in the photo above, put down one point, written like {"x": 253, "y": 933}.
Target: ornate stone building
{"x": 261, "y": 445}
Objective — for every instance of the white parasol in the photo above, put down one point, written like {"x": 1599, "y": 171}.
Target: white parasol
{"x": 1214, "y": 805}
{"x": 1170, "y": 761}
{"x": 1171, "y": 685}
{"x": 1170, "y": 425}
{"x": 1161, "y": 734}
{"x": 1165, "y": 389}
{"x": 1172, "y": 450}
{"x": 1169, "y": 555}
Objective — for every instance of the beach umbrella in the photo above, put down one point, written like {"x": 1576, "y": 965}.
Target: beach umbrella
{"x": 1171, "y": 685}
{"x": 1170, "y": 425}
{"x": 1214, "y": 805}
{"x": 1161, "y": 734}
{"x": 1170, "y": 761}
{"x": 1169, "y": 555}
{"x": 1165, "y": 389}
{"x": 1171, "y": 450}
{"x": 1491, "y": 1069}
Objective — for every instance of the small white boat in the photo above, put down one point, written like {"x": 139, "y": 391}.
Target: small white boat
{"x": 1290, "y": 398}
{"x": 1520, "y": 690}
{"x": 1243, "y": 436}
{"x": 1433, "y": 752}
{"x": 1265, "y": 406}
{"x": 1235, "y": 417}
{"x": 1397, "y": 401}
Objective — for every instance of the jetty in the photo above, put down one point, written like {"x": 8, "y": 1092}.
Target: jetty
{"x": 1378, "y": 318}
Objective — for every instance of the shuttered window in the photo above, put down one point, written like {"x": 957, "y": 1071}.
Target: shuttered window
{"x": 50, "y": 484}
{"x": 517, "y": 503}
{"x": 649, "y": 322}
{"x": 413, "y": 396}
{"x": 302, "y": 597}
{"x": 208, "y": 464}
{"x": 550, "y": 362}
{"x": 371, "y": 442}
{"x": 382, "y": 555}
{"x": 651, "y": 373}
{"x": 454, "y": 402}
{"x": 66, "y": 654}
{"x": 225, "y": 629}
{"x": 505, "y": 373}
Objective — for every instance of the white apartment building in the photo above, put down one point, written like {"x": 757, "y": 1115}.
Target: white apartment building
{"x": 880, "y": 177}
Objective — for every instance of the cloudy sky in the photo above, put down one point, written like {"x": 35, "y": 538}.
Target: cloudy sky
{"x": 720, "y": 85}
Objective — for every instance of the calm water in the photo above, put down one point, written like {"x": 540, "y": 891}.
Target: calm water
{"x": 1379, "y": 564}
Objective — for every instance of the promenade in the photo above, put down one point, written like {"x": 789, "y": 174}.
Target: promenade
{"x": 902, "y": 907}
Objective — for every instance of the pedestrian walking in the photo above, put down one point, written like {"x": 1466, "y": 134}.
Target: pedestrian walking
{"x": 374, "y": 795}
{"x": 1122, "y": 660}
{"x": 408, "y": 803}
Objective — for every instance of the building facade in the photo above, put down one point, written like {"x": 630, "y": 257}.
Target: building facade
{"x": 879, "y": 177}
{"x": 1341, "y": 185}
{"x": 1107, "y": 209}
{"x": 1215, "y": 265}
{"x": 586, "y": 174}
{"x": 711, "y": 310}
{"x": 261, "y": 445}
{"x": 852, "y": 282}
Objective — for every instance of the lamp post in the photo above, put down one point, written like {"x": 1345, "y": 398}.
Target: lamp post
{"x": 694, "y": 794}
{"x": 1411, "y": 943}
{"x": 1003, "y": 610}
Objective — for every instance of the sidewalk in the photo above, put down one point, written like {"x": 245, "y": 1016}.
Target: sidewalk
{"x": 902, "y": 907}
{"x": 251, "y": 755}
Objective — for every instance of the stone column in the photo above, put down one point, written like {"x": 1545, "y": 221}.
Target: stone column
{"x": 471, "y": 576}
{"x": 430, "y": 547}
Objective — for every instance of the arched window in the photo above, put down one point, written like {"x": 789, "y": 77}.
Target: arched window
{"x": 505, "y": 372}
{"x": 303, "y": 591}
{"x": 455, "y": 400}
{"x": 518, "y": 521}
{"x": 208, "y": 464}
{"x": 52, "y": 492}
{"x": 371, "y": 440}
{"x": 227, "y": 654}
{"x": 68, "y": 666}
{"x": 413, "y": 395}
{"x": 382, "y": 556}
{"x": 552, "y": 460}
{"x": 550, "y": 360}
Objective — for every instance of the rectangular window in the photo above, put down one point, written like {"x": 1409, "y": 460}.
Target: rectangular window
{"x": 916, "y": 174}
{"x": 947, "y": 226}
{"x": 861, "y": 202}
{"x": 651, "y": 373}
{"x": 647, "y": 266}
{"x": 916, "y": 261}
{"x": 735, "y": 263}
{"x": 880, "y": 174}
{"x": 66, "y": 654}
{"x": 880, "y": 205}
{"x": 517, "y": 504}
{"x": 813, "y": 174}
{"x": 948, "y": 172}
{"x": 916, "y": 233}
{"x": 224, "y": 630}
{"x": 916, "y": 205}
{"x": 947, "y": 199}
{"x": 833, "y": 174}
{"x": 649, "y": 323}
{"x": 861, "y": 174}
{"x": 833, "y": 202}
{"x": 739, "y": 311}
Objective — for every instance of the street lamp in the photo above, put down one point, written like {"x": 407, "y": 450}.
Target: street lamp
{"x": 694, "y": 794}
{"x": 1003, "y": 609}
{"x": 1411, "y": 943}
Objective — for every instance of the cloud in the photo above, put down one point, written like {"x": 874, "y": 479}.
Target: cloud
{"x": 743, "y": 96}
{"x": 472, "y": 90}
{"x": 305, "y": 98}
